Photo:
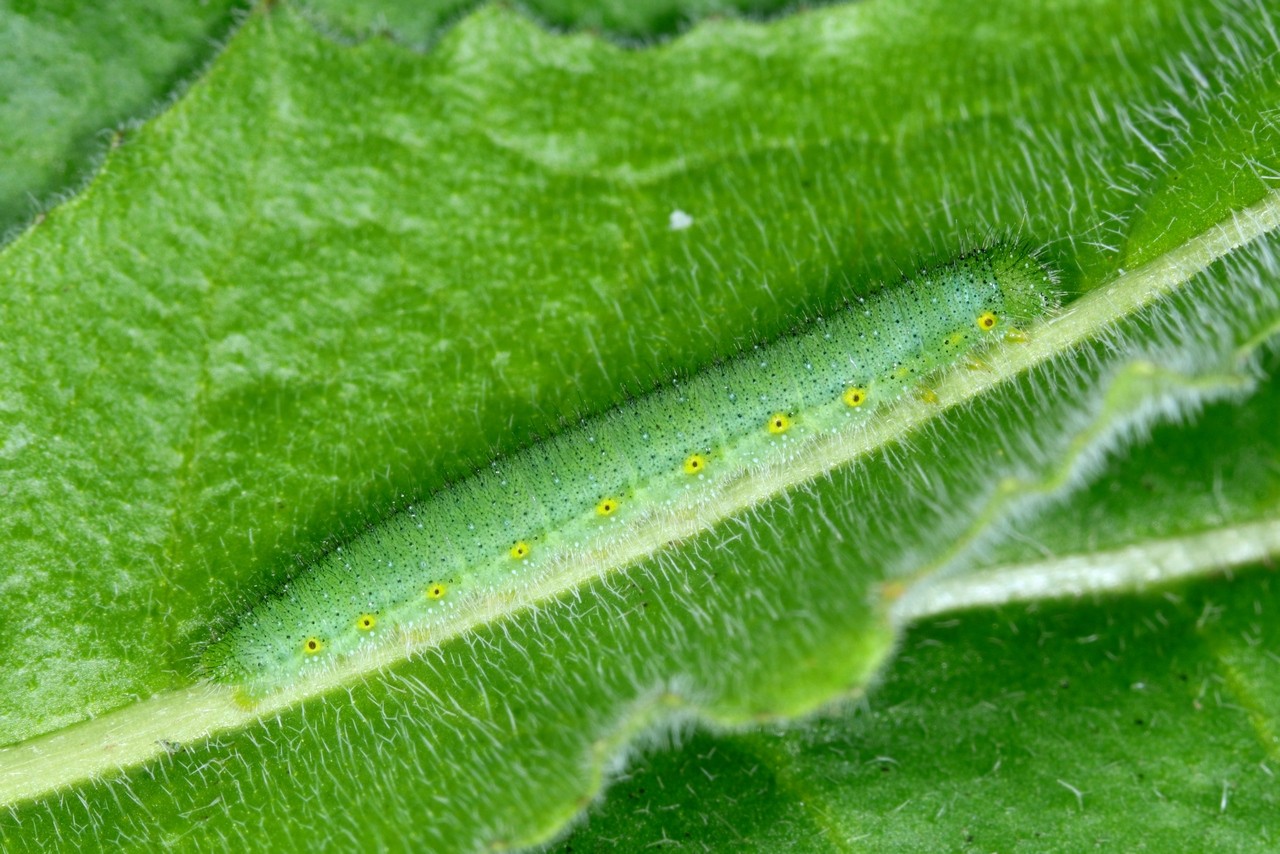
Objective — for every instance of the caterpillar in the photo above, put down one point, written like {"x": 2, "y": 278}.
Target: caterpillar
{"x": 524, "y": 515}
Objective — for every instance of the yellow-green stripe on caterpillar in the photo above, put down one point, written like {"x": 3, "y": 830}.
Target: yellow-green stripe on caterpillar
{"x": 517, "y": 519}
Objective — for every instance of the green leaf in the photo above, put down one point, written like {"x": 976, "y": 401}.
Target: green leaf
{"x": 330, "y": 275}
{"x": 72, "y": 73}
{"x": 1048, "y": 727}
{"x": 420, "y": 23}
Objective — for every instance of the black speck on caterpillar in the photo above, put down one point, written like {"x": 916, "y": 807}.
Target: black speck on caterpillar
{"x": 519, "y": 521}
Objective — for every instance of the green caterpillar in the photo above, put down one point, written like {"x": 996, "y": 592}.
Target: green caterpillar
{"x": 524, "y": 515}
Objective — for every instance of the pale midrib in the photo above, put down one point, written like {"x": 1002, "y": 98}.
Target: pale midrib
{"x": 133, "y": 735}
{"x": 1129, "y": 568}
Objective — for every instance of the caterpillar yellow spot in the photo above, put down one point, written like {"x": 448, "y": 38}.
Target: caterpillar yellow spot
{"x": 779, "y": 423}
{"x": 850, "y": 369}
{"x": 854, "y": 396}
